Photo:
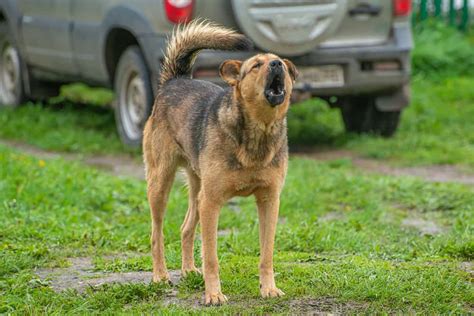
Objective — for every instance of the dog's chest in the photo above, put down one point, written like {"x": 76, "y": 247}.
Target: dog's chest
{"x": 247, "y": 181}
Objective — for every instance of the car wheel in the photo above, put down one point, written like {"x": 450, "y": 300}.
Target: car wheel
{"x": 360, "y": 115}
{"x": 12, "y": 91}
{"x": 134, "y": 96}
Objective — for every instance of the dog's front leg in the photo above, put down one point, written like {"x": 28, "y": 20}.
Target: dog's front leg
{"x": 209, "y": 209}
{"x": 268, "y": 202}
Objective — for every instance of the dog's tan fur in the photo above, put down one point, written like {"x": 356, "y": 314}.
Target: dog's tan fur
{"x": 236, "y": 147}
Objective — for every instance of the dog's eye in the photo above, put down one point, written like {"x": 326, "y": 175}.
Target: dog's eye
{"x": 256, "y": 66}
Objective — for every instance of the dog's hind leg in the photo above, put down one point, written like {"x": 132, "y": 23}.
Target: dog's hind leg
{"x": 160, "y": 179}
{"x": 189, "y": 225}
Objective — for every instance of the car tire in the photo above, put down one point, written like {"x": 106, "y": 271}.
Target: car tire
{"x": 360, "y": 115}
{"x": 134, "y": 96}
{"x": 12, "y": 90}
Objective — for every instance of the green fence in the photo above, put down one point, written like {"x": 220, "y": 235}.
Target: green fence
{"x": 458, "y": 17}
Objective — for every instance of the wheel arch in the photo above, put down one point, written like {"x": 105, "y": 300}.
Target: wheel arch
{"x": 123, "y": 27}
{"x": 117, "y": 41}
{"x": 3, "y": 16}
{"x": 9, "y": 17}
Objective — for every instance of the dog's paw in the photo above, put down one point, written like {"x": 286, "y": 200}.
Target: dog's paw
{"x": 216, "y": 298}
{"x": 187, "y": 271}
{"x": 162, "y": 278}
{"x": 267, "y": 292}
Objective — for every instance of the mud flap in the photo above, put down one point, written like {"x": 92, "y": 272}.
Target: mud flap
{"x": 395, "y": 101}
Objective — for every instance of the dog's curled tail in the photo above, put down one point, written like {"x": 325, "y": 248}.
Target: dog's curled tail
{"x": 188, "y": 39}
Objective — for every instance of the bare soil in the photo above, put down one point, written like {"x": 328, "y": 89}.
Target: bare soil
{"x": 332, "y": 216}
{"x": 468, "y": 266}
{"x": 423, "y": 226}
{"x": 81, "y": 275}
{"x": 325, "y": 306}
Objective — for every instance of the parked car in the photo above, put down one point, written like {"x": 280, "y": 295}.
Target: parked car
{"x": 353, "y": 53}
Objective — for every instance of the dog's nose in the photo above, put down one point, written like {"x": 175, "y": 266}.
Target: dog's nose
{"x": 275, "y": 63}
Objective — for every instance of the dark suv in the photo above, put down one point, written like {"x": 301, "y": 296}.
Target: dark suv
{"x": 353, "y": 53}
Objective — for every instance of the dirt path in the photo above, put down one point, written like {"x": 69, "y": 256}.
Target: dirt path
{"x": 119, "y": 165}
{"x": 126, "y": 165}
{"x": 437, "y": 173}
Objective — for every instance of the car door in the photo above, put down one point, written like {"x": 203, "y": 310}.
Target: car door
{"x": 46, "y": 27}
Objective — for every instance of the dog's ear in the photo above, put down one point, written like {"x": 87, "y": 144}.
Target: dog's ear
{"x": 230, "y": 71}
{"x": 291, "y": 69}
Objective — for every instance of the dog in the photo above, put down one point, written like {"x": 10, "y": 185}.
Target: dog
{"x": 230, "y": 141}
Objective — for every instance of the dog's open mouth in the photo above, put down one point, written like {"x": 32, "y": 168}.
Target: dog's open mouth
{"x": 275, "y": 89}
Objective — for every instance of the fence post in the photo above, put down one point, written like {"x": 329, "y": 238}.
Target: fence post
{"x": 464, "y": 16}
{"x": 437, "y": 5}
{"x": 423, "y": 10}
{"x": 452, "y": 13}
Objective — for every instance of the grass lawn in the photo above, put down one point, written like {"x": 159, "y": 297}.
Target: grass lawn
{"x": 343, "y": 237}
{"x": 85, "y": 125}
{"x": 435, "y": 129}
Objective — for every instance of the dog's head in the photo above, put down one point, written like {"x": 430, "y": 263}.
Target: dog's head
{"x": 264, "y": 82}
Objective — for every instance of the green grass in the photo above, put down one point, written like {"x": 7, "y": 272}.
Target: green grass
{"x": 442, "y": 51}
{"x": 65, "y": 126}
{"x": 81, "y": 93}
{"x": 79, "y": 120}
{"x": 362, "y": 256}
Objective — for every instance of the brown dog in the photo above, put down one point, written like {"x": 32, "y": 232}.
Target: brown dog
{"x": 231, "y": 142}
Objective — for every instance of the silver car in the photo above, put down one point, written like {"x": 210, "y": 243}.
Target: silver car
{"x": 353, "y": 53}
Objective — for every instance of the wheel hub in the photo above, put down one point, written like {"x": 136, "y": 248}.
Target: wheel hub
{"x": 9, "y": 75}
{"x": 134, "y": 105}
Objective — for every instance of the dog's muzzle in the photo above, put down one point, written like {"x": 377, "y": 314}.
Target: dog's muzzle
{"x": 275, "y": 87}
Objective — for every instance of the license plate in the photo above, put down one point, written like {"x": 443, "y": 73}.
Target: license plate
{"x": 321, "y": 76}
